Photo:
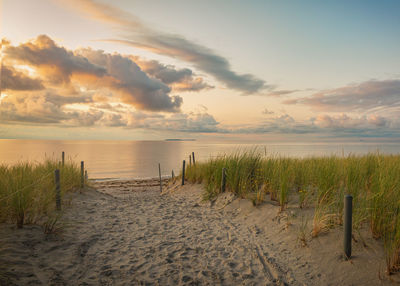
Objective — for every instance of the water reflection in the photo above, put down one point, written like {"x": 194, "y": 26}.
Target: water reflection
{"x": 127, "y": 159}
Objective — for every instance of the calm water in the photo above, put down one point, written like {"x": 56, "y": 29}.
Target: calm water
{"x": 138, "y": 159}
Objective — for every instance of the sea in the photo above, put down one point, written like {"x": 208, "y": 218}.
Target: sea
{"x": 140, "y": 159}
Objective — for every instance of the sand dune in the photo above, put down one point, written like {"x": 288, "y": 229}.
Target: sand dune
{"x": 127, "y": 233}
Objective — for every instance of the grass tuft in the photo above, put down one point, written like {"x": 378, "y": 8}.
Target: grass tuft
{"x": 373, "y": 180}
{"x": 27, "y": 190}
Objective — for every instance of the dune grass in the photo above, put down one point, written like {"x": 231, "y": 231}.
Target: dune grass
{"x": 27, "y": 190}
{"x": 373, "y": 180}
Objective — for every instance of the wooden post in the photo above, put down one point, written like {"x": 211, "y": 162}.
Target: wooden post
{"x": 194, "y": 161}
{"x": 183, "y": 173}
{"x": 82, "y": 174}
{"x": 63, "y": 158}
{"x": 190, "y": 161}
{"x": 86, "y": 176}
{"x": 159, "y": 173}
{"x": 223, "y": 180}
{"x": 348, "y": 210}
{"x": 58, "y": 189}
{"x": 172, "y": 174}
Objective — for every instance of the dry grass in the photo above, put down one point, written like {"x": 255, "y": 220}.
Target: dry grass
{"x": 27, "y": 190}
{"x": 373, "y": 180}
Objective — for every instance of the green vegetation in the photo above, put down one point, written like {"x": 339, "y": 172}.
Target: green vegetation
{"x": 27, "y": 191}
{"x": 373, "y": 180}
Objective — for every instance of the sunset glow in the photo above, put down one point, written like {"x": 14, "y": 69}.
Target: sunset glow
{"x": 286, "y": 70}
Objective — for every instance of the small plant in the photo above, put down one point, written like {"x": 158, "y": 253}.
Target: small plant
{"x": 303, "y": 235}
{"x": 257, "y": 198}
{"x": 53, "y": 225}
{"x": 323, "y": 219}
{"x": 304, "y": 197}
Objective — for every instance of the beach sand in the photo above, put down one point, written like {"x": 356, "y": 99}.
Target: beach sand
{"x": 127, "y": 233}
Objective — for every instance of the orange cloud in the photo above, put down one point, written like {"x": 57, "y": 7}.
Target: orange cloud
{"x": 55, "y": 63}
{"x": 12, "y": 79}
{"x": 177, "y": 79}
{"x": 69, "y": 71}
{"x": 136, "y": 33}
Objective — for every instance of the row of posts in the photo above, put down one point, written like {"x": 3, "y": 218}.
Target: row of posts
{"x": 184, "y": 166}
{"x": 84, "y": 177}
{"x": 191, "y": 158}
{"x": 348, "y": 199}
{"x": 348, "y": 206}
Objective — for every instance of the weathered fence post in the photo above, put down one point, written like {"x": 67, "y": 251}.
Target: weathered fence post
{"x": 172, "y": 174}
{"x": 63, "y": 158}
{"x": 58, "y": 189}
{"x": 183, "y": 173}
{"x": 194, "y": 161}
{"x": 82, "y": 176}
{"x": 159, "y": 173}
{"x": 190, "y": 160}
{"x": 348, "y": 212}
{"x": 223, "y": 180}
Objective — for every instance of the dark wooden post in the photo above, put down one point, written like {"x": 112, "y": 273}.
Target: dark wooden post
{"x": 63, "y": 158}
{"x": 58, "y": 189}
{"x": 183, "y": 173}
{"x": 82, "y": 174}
{"x": 223, "y": 180}
{"x": 190, "y": 161}
{"x": 194, "y": 160}
{"x": 348, "y": 224}
{"x": 172, "y": 174}
{"x": 159, "y": 173}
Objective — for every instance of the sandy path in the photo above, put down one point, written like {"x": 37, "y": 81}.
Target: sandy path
{"x": 127, "y": 233}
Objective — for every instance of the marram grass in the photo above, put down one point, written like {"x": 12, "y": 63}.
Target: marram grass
{"x": 27, "y": 190}
{"x": 373, "y": 180}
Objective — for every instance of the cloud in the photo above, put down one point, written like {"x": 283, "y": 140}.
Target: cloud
{"x": 43, "y": 107}
{"x": 178, "y": 79}
{"x": 52, "y": 109}
{"x": 268, "y": 112}
{"x": 343, "y": 121}
{"x": 16, "y": 80}
{"x": 371, "y": 95}
{"x": 278, "y": 93}
{"x": 56, "y": 63}
{"x": 113, "y": 120}
{"x": 137, "y": 34}
{"x": 324, "y": 125}
{"x": 284, "y": 124}
{"x": 378, "y": 120}
{"x": 49, "y": 108}
{"x": 201, "y": 57}
{"x": 195, "y": 122}
{"x": 134, "y": 85}
{"x": 70, "y": 70}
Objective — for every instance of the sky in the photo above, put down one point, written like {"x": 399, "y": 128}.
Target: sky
{"x": 234, "y": 70}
